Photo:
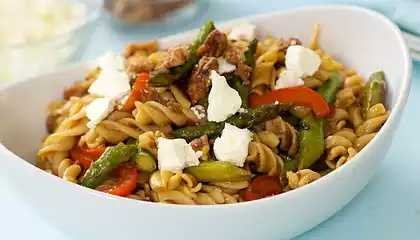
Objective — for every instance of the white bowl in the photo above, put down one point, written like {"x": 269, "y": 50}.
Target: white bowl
{"x": 87, "y": 214}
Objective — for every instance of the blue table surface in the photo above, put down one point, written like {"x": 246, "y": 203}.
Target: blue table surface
{"x": 388, "y": 208}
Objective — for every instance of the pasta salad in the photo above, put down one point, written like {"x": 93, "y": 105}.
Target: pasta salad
{"x": 225, "y": 119}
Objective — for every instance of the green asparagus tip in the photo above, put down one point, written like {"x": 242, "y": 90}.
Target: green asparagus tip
{"x": 378, "y": 75}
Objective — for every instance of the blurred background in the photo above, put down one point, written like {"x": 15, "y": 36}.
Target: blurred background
{"x": 41, "y": 35}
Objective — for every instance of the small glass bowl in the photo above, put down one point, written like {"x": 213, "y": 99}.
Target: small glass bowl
{"x": 129, "y": 15}
{"x": 22, "y": 60}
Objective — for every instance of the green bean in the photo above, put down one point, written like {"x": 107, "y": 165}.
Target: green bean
{"x": 109, "y": 160}
{"x": 242, "y": 90}
{"x": 217, "y": 171}
{"x": 374, "y": 92}
{"x": 312, "y": 135}
{"x": 290, "y": 164}
{"x": 249, "y": 55}
{"x": 164, "y": 78}
{"x": 291, "y": 119}
{"x": 311, "y": 141}
{"x": 330, "y": 88}
{"x": 247, "y": 119}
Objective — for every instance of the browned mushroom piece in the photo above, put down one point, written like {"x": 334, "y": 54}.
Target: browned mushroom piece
{"x": 199, "y": 81}
{"x": 139, "y": 63}
{"x": 284, "y": 44}
{"x": 198, "y": 143}
{"x": 244, "y": 72}
{"x": 176, "y": 56}
{"x": 214, "y": 45}
{"x": 235, "y": 54}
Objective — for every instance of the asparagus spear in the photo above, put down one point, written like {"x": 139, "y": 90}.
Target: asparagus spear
{"x": 109, "y": 160}
{"x": 217, "y": 171}
{"x": 247, "y": 119}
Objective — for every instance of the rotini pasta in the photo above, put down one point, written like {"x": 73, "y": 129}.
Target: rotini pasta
{"x": 340, "y": 148}
{"x": 286, "y": 134}
{"x": 56, "y": 146}
{"x": 69, "y": 171}
{"x": 155, "y": 113}
{"x": 265, "y": 74}
{"x": 264, "y": 158}
{"x": 301, "y": 178}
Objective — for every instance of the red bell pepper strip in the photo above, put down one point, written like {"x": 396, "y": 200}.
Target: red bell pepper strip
{"x": 140, "y": 92}
{"x": 262, "y": 187}
{"x": 86, "y": 156}
{"x": 301, "y": 96}
{"x": 126, "y": 175}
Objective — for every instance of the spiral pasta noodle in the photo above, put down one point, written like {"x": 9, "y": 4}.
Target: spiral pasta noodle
{"x": 148, "y": 140}
{"x": 231, "y": 187}
{"x": 376, "y": 117}
{"x": 340, "y": 148}
{"x": 286, "y": 134}
{"x": 182, "y": 188}
{"x": 353, "y": 86}
{"x": 211, "y": 195}
{"x": 185, "y": 103}
{"x": 117, "y": 128}
{"x": 165, "y": 180}
{"x": 336, "y": 121}
{"x": 91, "y": 139}
{"x": 152, "y": 112}
{"x": 171, "y": 187}
{"x": 301, "y": 178}
{"x": 69, "y": 171}
{"x": 55, "y": 147}
{"x": 264, "y": 75}
{"x": 264, "y": 158}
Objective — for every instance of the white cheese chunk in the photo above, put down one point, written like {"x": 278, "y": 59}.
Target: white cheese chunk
{"x": 301, "y": 60}
{"x": 111, "y": 60}
{"x": 199, "y": 111}
{"x": 244, "y": 31}
{"x": 111, "y": 84}
{"x": 176, "y": 154}
{"x": 224, "y": 66}
{"x": 224, "y": 101}
{"x": 242, "y": 110}
{"x": 288, "y": 79}
{"x": 232, "y": 146}
{"x": 98, "y": 110}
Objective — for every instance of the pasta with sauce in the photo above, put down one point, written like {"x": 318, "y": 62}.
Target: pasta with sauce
{"x": 280, "y": 124}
